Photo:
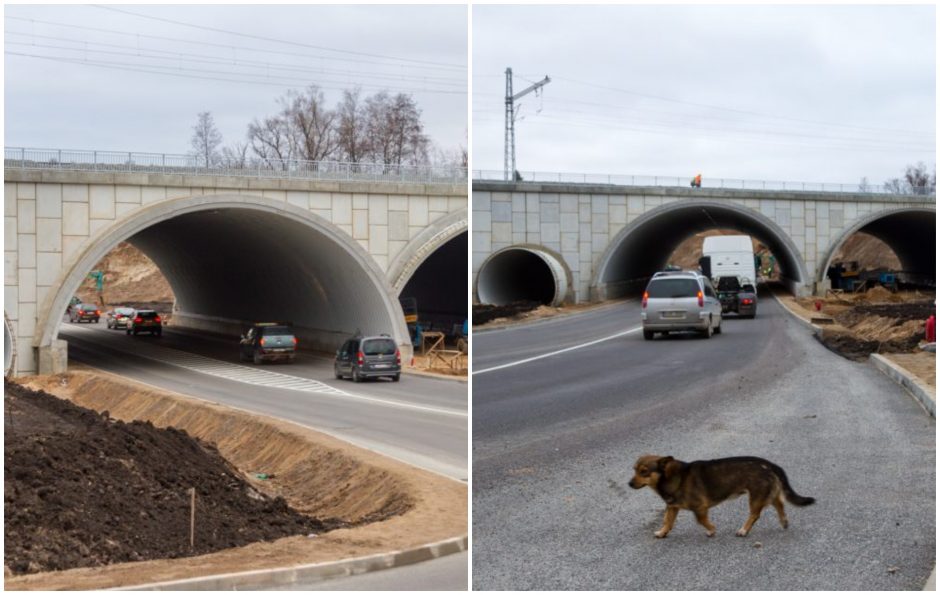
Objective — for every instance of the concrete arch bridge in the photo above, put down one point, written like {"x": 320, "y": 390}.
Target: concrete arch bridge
{"x": 561, "y": 242}
{"x": 331, "y": 256}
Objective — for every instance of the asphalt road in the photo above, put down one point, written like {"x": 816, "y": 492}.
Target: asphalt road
{"x": 555, "y": 439}
{"x": 419, "y": 420}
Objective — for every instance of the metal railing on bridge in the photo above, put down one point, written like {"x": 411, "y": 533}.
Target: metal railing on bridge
{"x": 164, "y": 163}
{"x": 716, "y": 183}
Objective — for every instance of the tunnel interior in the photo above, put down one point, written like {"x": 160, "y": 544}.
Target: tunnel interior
{"x": 911, "y": 235}
{"x": 440, "y": 286}
{"x": 648, "y": 246}
{"x": 229, "y": 267}
{"x": 516, "y": 275}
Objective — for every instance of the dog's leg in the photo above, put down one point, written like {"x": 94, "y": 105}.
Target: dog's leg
{"x": 778, "y": 504}
{"x": 701, "y": 515}
{"x": 756, "y": 505}
{"x": 668, "y": 521}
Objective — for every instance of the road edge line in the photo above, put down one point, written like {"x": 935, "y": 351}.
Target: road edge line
{"x": 559, "y": 352}
{"x": 316, "y": 572}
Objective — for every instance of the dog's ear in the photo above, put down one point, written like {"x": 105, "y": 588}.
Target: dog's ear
{"x": 662, "y": 464}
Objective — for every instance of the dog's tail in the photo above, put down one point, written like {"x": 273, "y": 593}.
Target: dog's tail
{"x": 791, "y": 496}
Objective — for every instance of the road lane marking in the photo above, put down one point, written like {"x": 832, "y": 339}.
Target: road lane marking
{"x": 554, "y": 353}
{"x": 257, "y": 377}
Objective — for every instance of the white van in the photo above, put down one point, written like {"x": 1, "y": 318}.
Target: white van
{"x": 731, "y": 256}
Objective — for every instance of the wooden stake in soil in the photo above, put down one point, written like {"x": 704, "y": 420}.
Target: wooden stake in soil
{"x": 192, "y": 517}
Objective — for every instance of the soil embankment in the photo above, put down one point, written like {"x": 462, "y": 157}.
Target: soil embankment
{"x": 82, "y": 489}
{"x": 375, "y": 504}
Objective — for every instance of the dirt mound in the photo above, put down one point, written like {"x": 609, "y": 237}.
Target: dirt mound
{"x": 483, "y": 313}
{"x": 869, "y": 252}
{"x": 877, "y": 327}
{"x": 81, "y": 489}
{"x": 316, "y": 474}
{"x": 130, "y": 279}
{"x": 856, "y": 348}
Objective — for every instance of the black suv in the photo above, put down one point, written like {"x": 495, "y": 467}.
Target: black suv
{"x": 145, "y": 321}
{"x": 368, "y": 357}
{"x": 268, "y": 341}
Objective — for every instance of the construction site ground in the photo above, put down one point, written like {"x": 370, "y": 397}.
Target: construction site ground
{"x": 856, "y": 325}
{"x": 99, "y": 497}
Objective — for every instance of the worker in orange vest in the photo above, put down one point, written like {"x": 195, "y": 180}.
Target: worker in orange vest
{"x": 697, "y": 181}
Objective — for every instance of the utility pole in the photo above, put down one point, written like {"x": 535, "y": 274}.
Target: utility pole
{"x": 509, "y": 156}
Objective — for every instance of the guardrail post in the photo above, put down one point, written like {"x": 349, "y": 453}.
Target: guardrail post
{"x": 23, "y": 158}
{"x": 59, "y": 162}
{"x": 164, "y": 163}
{"x": 95, "y": 161}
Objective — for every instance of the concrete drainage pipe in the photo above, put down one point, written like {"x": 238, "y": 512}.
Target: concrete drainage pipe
{"x": 522, "y": 273}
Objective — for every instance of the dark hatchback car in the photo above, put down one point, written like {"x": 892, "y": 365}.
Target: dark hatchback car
{"x": 84, "y": 313}
{"x": 145, "y": 321}
{"x": 268, "y": 342}
{"x": 120, "y": 318}
{"x": 368, "y": 357}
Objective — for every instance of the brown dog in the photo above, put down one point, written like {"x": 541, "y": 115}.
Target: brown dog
{"x": 699, "y": 485}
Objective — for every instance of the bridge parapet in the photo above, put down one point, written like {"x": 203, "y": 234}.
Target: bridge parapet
{"x": 608, "y": 180}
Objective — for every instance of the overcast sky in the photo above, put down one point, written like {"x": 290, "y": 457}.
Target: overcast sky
{"x": 119, "y": 81}
{"x": 793, "y": 93}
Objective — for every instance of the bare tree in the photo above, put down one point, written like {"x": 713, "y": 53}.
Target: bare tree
{"x": 410, "y": 144}
{"x": 236, "y": 156}
{"x": 919, "y": 179}
{"x": 394, "y": 130}
{"x": 310, "y": 124}
{"x": 206, "y": 139}
{"x": 380, "y": 128}
{"x": 270, "y": 141}
{"x": 352, "y": 139}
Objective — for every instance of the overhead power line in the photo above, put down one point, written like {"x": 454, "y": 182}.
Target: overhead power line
{"x": 223, "y": 60}
{"x": 179, "y": 58}
{"x": 225, "y": 45}
{"x": 203, "y": 74}
{"x": 718, "y": 107}
{"x": 751, "y": 139}
{"x": 683, "y": 122}
{"x": 275, "y": 40}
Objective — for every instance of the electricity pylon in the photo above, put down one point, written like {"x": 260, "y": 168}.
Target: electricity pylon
{"x": 509, "y": 157}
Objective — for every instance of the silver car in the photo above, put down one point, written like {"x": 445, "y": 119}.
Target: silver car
{"x": 680, "y": 301}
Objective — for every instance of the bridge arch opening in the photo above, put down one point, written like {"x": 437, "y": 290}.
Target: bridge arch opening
{"x": 439, "y": 286}
{"x": 646, "y": 245}
{"x": 522, "y": 273}
{"x": 902, "y": 240}
{"x": 232, "y": 260}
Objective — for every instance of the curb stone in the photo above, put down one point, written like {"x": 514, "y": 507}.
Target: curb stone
{"x": 920, "y": 391}
{"x": 256, "y": 579}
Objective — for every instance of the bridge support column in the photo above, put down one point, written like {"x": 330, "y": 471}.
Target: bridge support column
{"x": 54, "y": 359}
{"x": 822, "y": 287}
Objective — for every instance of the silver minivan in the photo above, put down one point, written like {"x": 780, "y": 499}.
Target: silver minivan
{"x": 680, "y": 301}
